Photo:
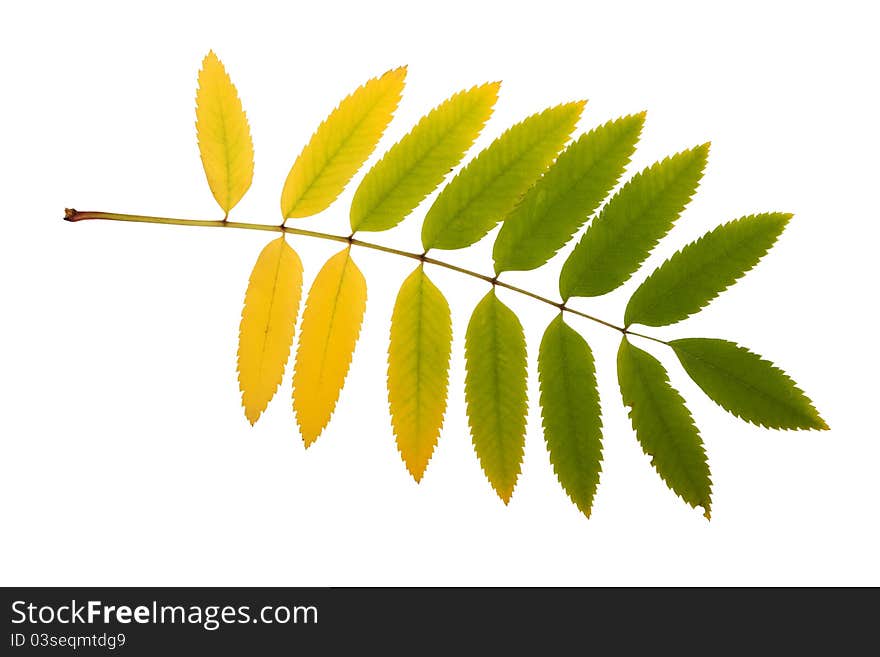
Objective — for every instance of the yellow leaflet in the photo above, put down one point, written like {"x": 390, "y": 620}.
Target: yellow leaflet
{"x": 341, "y": 145}
{"x": 224, "y": 136}
{"x": 330, "y": 327}
{"x": 418, "y": 369}
{"x": 268, "y": 318}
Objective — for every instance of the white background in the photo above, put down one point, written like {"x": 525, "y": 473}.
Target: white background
{"x": 126, "y": 458}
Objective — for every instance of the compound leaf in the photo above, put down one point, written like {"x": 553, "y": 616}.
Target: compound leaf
{"x": 415, "y": 165}
{"x": 631, "y": 223}
{"x": 268, "y": 319}
{"x": 703, "y": 269}
{"x": 570, "y": 411}
{"x": 330, "y": 327}
{"x": 418, "y": 369}
{"x": 746, "y": 385}
{"x": 224, "y": 136}
{"x": 495, "y": 391}
{"x": 487, "y": 189}
{"x": 664, "y": 426}
{"x": 341, "y": 145}
{"x": 560, "y": 202}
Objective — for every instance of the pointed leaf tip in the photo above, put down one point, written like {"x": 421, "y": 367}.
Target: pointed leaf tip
{"x": 559, "y": 202}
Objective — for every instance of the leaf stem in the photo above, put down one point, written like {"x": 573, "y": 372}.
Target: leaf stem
{"x": 74, "y": 215}
{"x": 626, "y": 331}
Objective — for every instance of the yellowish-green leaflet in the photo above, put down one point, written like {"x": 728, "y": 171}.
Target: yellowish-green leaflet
{"x": 567, "y": 194}
{"x": 490, "y": 185}
{"x": 495, "y": 391}
{"x": 415, "y": 165}
{"x": 418, "y": 368}
{"x": 341, "y": 145}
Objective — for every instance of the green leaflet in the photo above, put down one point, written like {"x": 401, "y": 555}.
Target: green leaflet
{"x": 570, "y": 191}
{"x": 746, "y": 385}
{"x": 664, "y": 426}
{"x": 418, "y": 369}
{"x": 630, "y": 225}
{"x": 703, "y": 269}
{"x": 570, "y": 411}
{"x": 489, "y": 186}
{"x": 415, "y": 165}
{"x": 495, "y": 391}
